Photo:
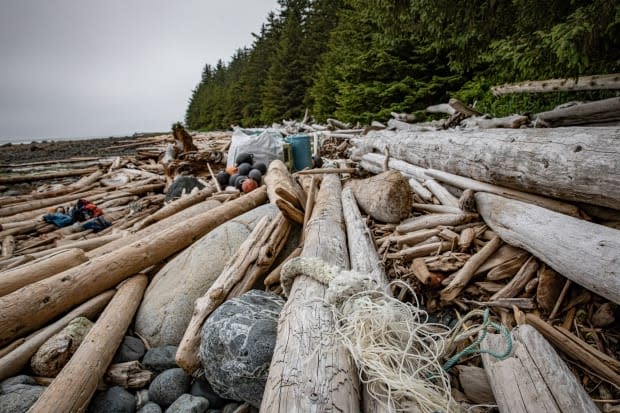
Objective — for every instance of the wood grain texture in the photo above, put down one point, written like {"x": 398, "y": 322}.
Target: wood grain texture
{"x": 560, "y": 241}
{"x": 310, "y": 370}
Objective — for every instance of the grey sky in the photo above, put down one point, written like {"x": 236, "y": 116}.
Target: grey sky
{"x": 98, "y": 68}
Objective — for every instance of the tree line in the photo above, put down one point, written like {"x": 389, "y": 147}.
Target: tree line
{"x": 359, "y": 60}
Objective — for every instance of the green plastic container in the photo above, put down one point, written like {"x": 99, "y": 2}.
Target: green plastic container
{"x": 301, "y": 151}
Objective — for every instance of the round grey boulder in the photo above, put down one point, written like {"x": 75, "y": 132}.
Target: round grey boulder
{"x": 18, "y": 398}
{"x": 158, "y": 359}
{"x": 189, "y": 404}
{"x": 169, "y": 386}
{"x": 114, "y": 400}
{"x": 12, "y": 381}
{"x": 131, "y": 349}
{"x": 150, "y": 407}
{"x": 237, "y": 344}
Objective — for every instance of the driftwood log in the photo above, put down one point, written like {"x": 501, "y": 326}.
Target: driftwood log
{"x": 596, "y": 82}
{"x": 74, "y": 386}
{"x": 583, "y": 252}
{"x": 600, "y": 111}
{"x": 14, "y": 361}
{"x": 253, "y": 259}
{"x": 534, "y": 378}
{"x": 573, "y": 164}
{"x": 385, "y": 197}
{"x": 31, "y": 307}
{"x": 279, "y": 181}
{"x": 310, "y": 370}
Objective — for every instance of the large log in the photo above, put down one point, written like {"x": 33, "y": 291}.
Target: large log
{"x": 14, "y": 361}
{"x": 74, "y": 386}
{"x": 385, "y": 197}
{"x": 582, "y": 251}
{"x": 310, "y": 370}
{"x": 534, "y": 378}
{"x": 32, "y": 306}
{"x": 600, "y": 111}
{"x": 16, "y": 278}
{"x": 596, "y": 82}
{"x": 15, "y": 179}
{"x": 364, "y": 259}
{"x": 573, "y": 164}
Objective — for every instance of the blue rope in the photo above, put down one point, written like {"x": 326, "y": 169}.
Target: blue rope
{"x": 475, "y": 346}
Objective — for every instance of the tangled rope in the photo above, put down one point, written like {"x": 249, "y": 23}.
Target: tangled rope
{"x": 398, "y": 352}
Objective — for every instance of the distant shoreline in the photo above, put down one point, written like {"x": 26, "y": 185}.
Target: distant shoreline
{"x": 19, "y": 141}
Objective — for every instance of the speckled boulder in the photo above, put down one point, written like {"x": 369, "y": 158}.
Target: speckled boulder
{"x": 237, "y": 344}
{"x": 18, "y": 398}
{"x": 168, "y": 302}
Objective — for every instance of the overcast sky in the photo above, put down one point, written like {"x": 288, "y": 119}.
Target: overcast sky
{"x": 99, "y": 68}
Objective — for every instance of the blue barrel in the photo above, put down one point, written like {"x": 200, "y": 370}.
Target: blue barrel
{"x": 302, "y": 152}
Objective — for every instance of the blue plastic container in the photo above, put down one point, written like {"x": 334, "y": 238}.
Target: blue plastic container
{"x": 302, "y": 152}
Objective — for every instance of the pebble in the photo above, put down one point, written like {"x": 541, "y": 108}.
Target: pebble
{"x": 189, "y": 404}
{"x": 159, "y": 359}
{"x": 169, "y": 386}
{"x": 131, "y": 349}
{"x": 116, "y": 399}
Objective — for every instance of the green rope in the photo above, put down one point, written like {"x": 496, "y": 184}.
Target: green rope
{"x": 475, "y": 346}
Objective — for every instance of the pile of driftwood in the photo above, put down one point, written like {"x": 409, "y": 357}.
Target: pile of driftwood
{"x": 522, "y": 222}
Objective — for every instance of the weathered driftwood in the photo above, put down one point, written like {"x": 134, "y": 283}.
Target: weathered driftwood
{"x": 600, "y": 111}
{"x": 574, "y": 164}
{"x": 596, "y": 82}
{"x": 129, "y": 375}
{"x": 605, "y": 366}
{"x": 415, "y": 237}
{"x": 509, "y": 268}
{"x": 519, "y": 281}
{"x": 475, "y": 384}
{"x": 364, "y": 259}
{"x": 423, "y": 250}
{"x": 174, "y": 207}
{"x": 73, "y": 388}
{"x": 15, "y": 179}
{"x": 465, "y": 274}
{"x": 422, "y": 192}
{"x": 534, "y": 378}
{"x": 385, "y": 197}
{"x": 41, "y": 203}
{"x": 462, "y": 108}
{"x": 441, "y": 193}
{"x": 560, "y": 241}
{"x": 274, "y": 275}
{"x": 252, "y": 260}
{"x": 406, "y": 168}
{"x": 549, "y": 287}
{"x": 8, "y": 246}
{"x": 31, "y": 272}
{"x": 441, "y": 108}
{"x": 14, "y": 361}
{"x": 279, "y": 180}
{"x": 433, "y": 220}
{"x": 483, "y": 122}
{"x": 310, "y": 370}
{"x": 54, "y": 354}
{"x": 29, "y": 308}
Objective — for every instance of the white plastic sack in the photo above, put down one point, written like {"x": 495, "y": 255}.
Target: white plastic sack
{"x": 265, "y": 144}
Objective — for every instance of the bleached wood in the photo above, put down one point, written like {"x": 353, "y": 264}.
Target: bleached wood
{"x": 310, "y": 370}
{"x": 364, "y": 259}
{"x": 422, "y": 192}
{"x": 519, "y": 281}
{"x": 562, "y": 242}
{"x": 414, "y": 237}
{"x": 430, "y": 247}
{"x": 600, "y": 111}
{"x": 596, "y": 82}
{"x": 16, "y": 278}
{"x": 513, "y": 121}
{"x": 15, "y": 179}
{"x": 441, "y": 193}
{"x": 433, "y": 220}
{"x": 74, "y": 386}
{"x": 31, "y": 307}
{"x": 406, "y": 168}
{"x": 14, "y": 361}
{"x": 572, "y": 164}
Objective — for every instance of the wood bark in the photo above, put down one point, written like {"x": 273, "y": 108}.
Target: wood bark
{"x": 310, "y": 370}
{"x": 74, "y": 386}
{"x": 574, "y": 164}
{"x": 16, "y": 278}
{"x": 32, "y": 306}
{"x": 14, "y": 361}
{"x": 534, "y": 378}
{"x": 596, "y": 82}
{"x": 600, "y": 111}
{"x": 253, "y": 259}
{"x": 385, "y": 197}
{"x": 562, "y": 242}
{"x": 364, "y": 259}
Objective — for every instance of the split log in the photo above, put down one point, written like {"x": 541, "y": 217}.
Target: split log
{"x": 433, "y": 220}
{"x": 573, "y": 164}
{"x": 14, "y": 361}
{"x": 253, "y": 259}
{"x": 385, "y": 197}
{"x": 596, "y": 82}
{"x": 73, "y": 388}
{"x": 42, "y": 268}
{"x": 32, "y": 306}
{"x": 534, "y": 378}
{"x": 364, "y": 259}
{"x": 16, "y": 179}
{"x": 175, "y": 206}
{"x": 600, "y": 111}
{"x": 465, "y": 274}
{"x": 310, "y": 370}
{"x": 278, "y": 176}
{"x": 562, "y": 242}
